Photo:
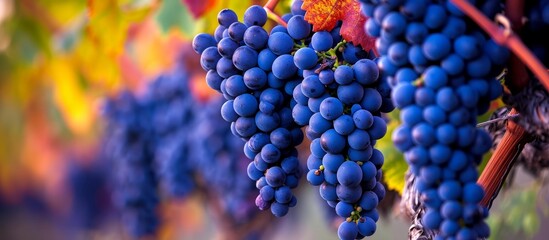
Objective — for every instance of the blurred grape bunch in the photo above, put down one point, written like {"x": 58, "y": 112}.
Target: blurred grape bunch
{"x": 172, "y": 111}
{"x": 86, "y": 183}
{"x": 128, "y": 146}
{"x": 222, "y": 169}
{"x": 148, "y": 140}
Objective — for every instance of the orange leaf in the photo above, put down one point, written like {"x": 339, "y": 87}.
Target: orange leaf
{"x": 324, "y": 14}
{"x": 352, "y": 28}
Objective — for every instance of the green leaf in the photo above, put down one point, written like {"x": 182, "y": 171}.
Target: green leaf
{"x": 530, "y": 223}
{"x": 173, "y": 14}
{"x": 394, "y": 167}
{"x": 517, "y": 213}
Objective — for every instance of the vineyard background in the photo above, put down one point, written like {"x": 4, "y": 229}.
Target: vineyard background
{"x": 58, "y": 62}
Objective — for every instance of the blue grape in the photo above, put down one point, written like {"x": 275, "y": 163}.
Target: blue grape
{"x": 305, "y": 58}
{"x": 203, "y": 41}
{"x": 255, "y": 16}
{"x": 283, "y": 66}
{"x": 256, "y": 37}
{"x": 245, "y": 58}
{"x": 226, "y": 17}
{"x": 321, "y": 41}
{"x": 298, "y": 28}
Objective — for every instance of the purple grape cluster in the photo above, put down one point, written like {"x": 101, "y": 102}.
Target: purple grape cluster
{"x": 254, "y": 71}
{"x": 172, "y": 111}
{"x": 127, "y": 145}
{"x": 341, "y": 105}
{"x": 340, "y": 101}
{"x": 221, "y": 164}
{"x": 89, "y": 190}
{"x": 442, "y": 68}
{"x": 148, "y": 141}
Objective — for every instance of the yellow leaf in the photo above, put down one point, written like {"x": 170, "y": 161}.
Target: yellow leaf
{"x": 71, "y": 98}
{"x": 394, "y": 168}
{"x": 208, "y": 23}
{"x": 64, "y": 13}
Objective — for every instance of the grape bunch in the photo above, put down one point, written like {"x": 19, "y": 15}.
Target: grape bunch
{"x": 148, "y": 139}
{"x": 254, "y": 71}
{"x": 127, "y": 145}
{"x": 342, "y": 105}
{"x": 442, "y": 68}
{"x": 340, "y": 102}
{"x": 221, "y": 164}
{"x": 172, "y": 112}
{"x": 88, "y": 188}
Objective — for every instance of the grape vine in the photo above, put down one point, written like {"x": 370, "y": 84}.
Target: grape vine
{"x": 432, "y": 60}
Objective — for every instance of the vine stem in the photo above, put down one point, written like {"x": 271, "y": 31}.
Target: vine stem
{"x": 507, "y": 38}
{"x": 517, "y": 73}
{"x": 500, "y": 164}
{"x": 515, "y": 137}
{"x": 269, "y": 8}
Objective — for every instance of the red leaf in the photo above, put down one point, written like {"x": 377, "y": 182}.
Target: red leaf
{"x": 324, "y": 14}
{"x": 198, "y": 7}
{"x": 352, "y": 28}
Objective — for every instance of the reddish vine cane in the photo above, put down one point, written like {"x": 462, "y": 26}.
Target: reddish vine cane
{"x": 515, "y": 137}
{"x": 507, "y": 38}
{"x": 269, "y": 8}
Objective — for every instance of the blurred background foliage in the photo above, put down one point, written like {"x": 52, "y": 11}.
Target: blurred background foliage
{"x": 60, "y": 59}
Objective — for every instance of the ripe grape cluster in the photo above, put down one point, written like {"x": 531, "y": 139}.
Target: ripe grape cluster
{"x": 88, "y": 188}
{"x": 330, "y": 86}
{"x": 172, "y": 112}
{"x": 254, "y": 71}
{"x": 219, "y": 161}
{"x": 148, "y": 139}
{"x": 442, "y": 68}
{"x": 340, "y": 101}
{"x": 127, "y": 145}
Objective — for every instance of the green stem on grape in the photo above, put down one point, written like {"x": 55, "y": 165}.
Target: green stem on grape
{"x": 299, "y": 46}
{"x": 271, "y": 14}
{"x": 418, "y": 82}
{"x": 507, "y": 38}
{"x": 333, "y": 51}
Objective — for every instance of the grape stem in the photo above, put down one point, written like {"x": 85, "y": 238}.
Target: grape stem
{"x": 517, "y": 74}
{"x": 507, "y": 38}
{"x": 512, "y": 143}
{"x": 510, "y": 116}
{"x": 501, "y": 163}
{"x": 269, "y": 8}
